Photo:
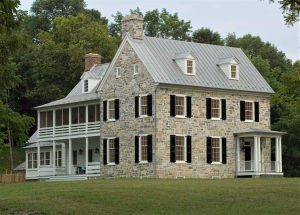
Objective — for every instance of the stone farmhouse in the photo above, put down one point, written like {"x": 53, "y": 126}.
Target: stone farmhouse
{"x": 161, "y": 109}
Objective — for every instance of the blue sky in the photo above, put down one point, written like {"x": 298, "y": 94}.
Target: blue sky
{"x": 256, "y": 17}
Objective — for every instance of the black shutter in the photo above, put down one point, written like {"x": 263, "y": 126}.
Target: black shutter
{"x": 105, "y": 151}
{"x": 149, "y": 148}
{"x": 208, "y": 108}
{"x": 117, "y": 154}
{"x": 172, "y": 105}
{"x": 149, "y": 105}
{"x": 256, "y": 107}
{"x": 104, "y": 110}
{"x": 242, "y": 110}
{"x": 137, "y": 150}
{"x": 136, "y": 101}
{"x": 188, "y": 106}
{"x": 188, "y": 149}
{"x": 172, "y": 148}
{"x": 117, "y": 109}
{"x": 224, "y": 154}
{"x": 223, "y": 109}
{"x": 208, "y": 150}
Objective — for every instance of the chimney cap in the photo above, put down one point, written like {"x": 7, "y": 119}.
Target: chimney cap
{"x": 92, "y": 55}
{"x": 134, "y": 16}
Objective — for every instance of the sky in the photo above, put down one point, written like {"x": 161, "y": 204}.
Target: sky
{"x": 257, "y": 17}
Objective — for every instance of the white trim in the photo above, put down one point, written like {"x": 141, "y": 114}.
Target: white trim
{"x": 220, "y": 108}
{"x": 136, "y": 69}
{"x": 140, "y": 149}
{"x": 237, "y": 71}
{"x": 184, "y": 105}
{"x": 118, "y": 72}
{"x": 253, "y": 110}
{"x": 140, "y": 106}
{"x": 185, "y": 148}
{"x": 193, "y": 69}
{"x": 220, "y": 150}
{"x": 107, "y": 151}
{"x": 107, "y": 110}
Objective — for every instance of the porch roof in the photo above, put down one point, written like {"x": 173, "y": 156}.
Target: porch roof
{"x": 257, "y": 131}
{"x": 42, "y": 144}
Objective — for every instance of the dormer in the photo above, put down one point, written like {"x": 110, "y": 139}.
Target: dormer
{"x": 186, "y": 62}
{"x": 88, "y": 85}
{"x": 230, "y": 66}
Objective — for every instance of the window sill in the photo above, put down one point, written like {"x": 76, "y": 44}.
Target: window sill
{"x": 143, "y": 162}
{"x": 143, "y": 116}
{"x": 180, "y": 161}
{"x": 180, "y": 117}
{"x": 249, "y": 120}
{"x": 191, "y": 74}
{"x": 111, "y": 120}
{"x": 216, "y": 163}
{"x": 134, "y": 74}
{"x": 118, "y": 77}
{"x": 216, "y": 119}
{"x": 111, "y": 164}
{"x": 234, "y": 79}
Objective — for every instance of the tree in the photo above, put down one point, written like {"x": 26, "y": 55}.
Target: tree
{"x": 291, "y": 10}
{"x": 205, "y": 35}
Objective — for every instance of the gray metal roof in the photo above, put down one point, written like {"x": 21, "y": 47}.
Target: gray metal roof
{"x": 21, "y": 167}
{"x": 259, "y": 131}
{"x": 42, "y": 144}
{"x": 76, "y": 94}
{"x": 157, "y": 54}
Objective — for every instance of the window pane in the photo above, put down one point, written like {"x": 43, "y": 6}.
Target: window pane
{"x": 215, "y": 108}
{"x": 144, "y": 148}
{"x": 111, "y": 149}
{"x": 75, "y": 115}
{"x": 47, "y": 158}
{"x": 86, "y": 85}
{"x": 190, "y": 66}
{"x": 49, "y": 118}
{"x": 180, "y": 105}
{"x": 144, "y": 109}
{"x": 58, "y": 117}
{"x": 111, "y": 109}
{"x": 43, "y": 119}
{"x": 98, "y": 112}
{"x": 42, "y": 158}
{"x": 215, "y": 149}
{"x": 29, "y": 160}
{"x": 34, "y": 165}
{"x": 81, "y": 114}
{"x": 249, "y": 110}
{"x": 65, "y": 116}
{"x": 91, "y": 113}
{"x": 179, "y": 148}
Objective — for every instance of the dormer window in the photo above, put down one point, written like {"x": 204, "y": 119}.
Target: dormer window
{"x": 86, "y": 86}
{"x": 190, "y": 67}
{"x": 135, "y": 69}
{"x": 230, "y": 66}
{"x": 233, "y": 72}
{"x": 118, "y": 72}
{"x": 186, "y": 62}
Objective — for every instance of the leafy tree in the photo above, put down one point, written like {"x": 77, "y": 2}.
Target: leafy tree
{"x": 291, "y": 10}
{"x": 205, "y": 35}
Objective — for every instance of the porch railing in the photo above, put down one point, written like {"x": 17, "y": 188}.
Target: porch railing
{"x": 93, "y": 168}
{"x": 246, "y": 166}
{"x": 269, "y": 166}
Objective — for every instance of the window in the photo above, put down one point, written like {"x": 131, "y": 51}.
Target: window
{"x": 118, "y": 72}
{"x": 58, "y": 158}
{"x": 135, "y": 69}
{"x": 32, "y": 160}
{"x": 86, "y": 86}
{"x": 181, "y": 148}
{"x": 216, "y": 150}
{"x": 111, "y": 109}
{"x": 46, "y": 119}
{"x": 215, "y": 108}
{"x": 62, "y": 117}
{"x": 144, "y": 106}
{"x": 45, "y": 158}
{"x": 94, "y": 113}
{"x": 234, "y": 71}
{"x": 190, "y": 67}
{"x": 78, "y": 115}
{"x": 143, "y": 148}
{"x": 249, "y": 111}
{"x": 180, "y": 107}
{"x": 111, "y": 151}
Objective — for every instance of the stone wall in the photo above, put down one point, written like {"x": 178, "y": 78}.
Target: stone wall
{"x": 199, "y": 128}
{"x": 125, "y": 88}
{"x": 266, "y": 154}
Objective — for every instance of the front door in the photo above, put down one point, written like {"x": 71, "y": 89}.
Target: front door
{"x": 90, "y": 155}
{"x": 248, "y": 156}
{"x": 74, "y": 158}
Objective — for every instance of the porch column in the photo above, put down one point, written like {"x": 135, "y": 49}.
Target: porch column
{"x": 86, "y": 154}
{"x": 70, "y": 120}
{"x": 277, "y": 154}
{"x": 54, "y": 156}
{"x": 38, "y": 158}
{"x": 259, "y": 153}
{"x": 238, "y": 153}
{"x": 255, "y": 153}
{"x": 280, "y": 154}
{"x": 70, "y": 156}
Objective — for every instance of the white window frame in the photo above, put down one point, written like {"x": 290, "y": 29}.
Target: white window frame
{"x": 184, "y": 106}
{"x": 118, "y": 72}
{"x": 253, "y": 111}
{"x": 140, "y": 106}
{"x": 220, "y": 143}
{"x": 57, "y": 158}
{"x": 220, "y": 109}
{"x": 32, "y": 160}
{"x": 136, "y": 69}
{"x": 237, "y": 72}
{"x": 107, "y": 110}
{"x": 140, "y": 149}
{"x": 186, "y": 66}
{"x": 185, "y": 148}
{"x": 107, "y": 151}
{"x": 46, "y": 119}
{"x": 50, "y": 158}
{"x": 84, "y": 84}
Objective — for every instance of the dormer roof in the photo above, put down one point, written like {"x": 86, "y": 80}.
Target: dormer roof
{"x": 184, "y": 55}
{"x": 228, "y": 60}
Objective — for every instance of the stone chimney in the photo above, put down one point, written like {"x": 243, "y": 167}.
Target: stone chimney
{"x": 90, "y": 60}
{"x": 133, "y": 24}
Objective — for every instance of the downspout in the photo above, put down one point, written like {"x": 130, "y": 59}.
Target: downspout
{"x": 155, "y": 131}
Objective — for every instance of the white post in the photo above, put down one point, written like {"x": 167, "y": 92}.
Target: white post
{"x": 255, "y": 154}
{"x": 54, "y": 156}
{"x": 86, "y": 118}
{"x": 86, "y": 154}
{"x": 259, "y": 153}
{"x": 277, "y": 155}
{"x": 38, "y": 158}
{"x": 280, "y": 154}
{"x": 70, "y": 156}
{"x": 238, "y": 153}
{"x": 70, "y": 118}
{"x": 53, "y": 120}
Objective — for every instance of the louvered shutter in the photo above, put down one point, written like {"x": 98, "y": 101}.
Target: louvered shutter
{"x": 256, "y": 107}
{"x": 137, "y": 150}
{"x": 224, "y": 150}
{"x": 208, "y": 108}
{"x": 149, "y": 148}
{"x": 104, "y": 151}
{"x": 242, "y": 110}
{"x": 172, "y": 148}
{"x": 104, "y": 110}
{"x": 117, "y": 109}
{"x": 188, "y": 149}
{"x": 172, "y": 105}
{"x": 188, "y": 106}
{"x": 117, "y": 151}
{"x": 223, "y": 109}
{"x": 149, "y": 105}
{"x": 136, "y": 105}
{"x": 208, "y": 150}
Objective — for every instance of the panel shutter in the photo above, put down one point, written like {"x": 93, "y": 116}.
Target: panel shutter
{"x": 137, "y": 150}
{"x": 149, "y": 105}
{"x": 136, "y": 105}
{"x": 104, "y": 110}
{"x": 242, "y": 110}
{"x": 117, "y": 109}
{"x": 117, "y": 151}
{"x": 172, "y": 105}
{"x": 188, "y": 106}
{"x": 172, "y": 148}
{"x": 208, "y": 150}
{"x": 223, "y": 109}
{"x": 208, "y": 108}
{"x": 149, "y": 148}
{"x": 256, "y": 107}
{"x": 188, "y": 149}
{"x": 224, "y": 150}
{"x": 105, "y": 151}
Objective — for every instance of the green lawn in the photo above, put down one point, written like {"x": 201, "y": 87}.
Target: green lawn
{"x": 153, "y": 196}
{"x": 18, "y": 156}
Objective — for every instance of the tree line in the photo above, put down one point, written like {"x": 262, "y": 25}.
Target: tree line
{"x": 41, "y": 51}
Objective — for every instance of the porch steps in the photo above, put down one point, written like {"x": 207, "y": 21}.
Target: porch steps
{"x": 67, "y": 178}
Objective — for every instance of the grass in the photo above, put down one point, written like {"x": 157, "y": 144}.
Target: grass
{"x": 18, "y": 156}
{"x": 153, "y": 196}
